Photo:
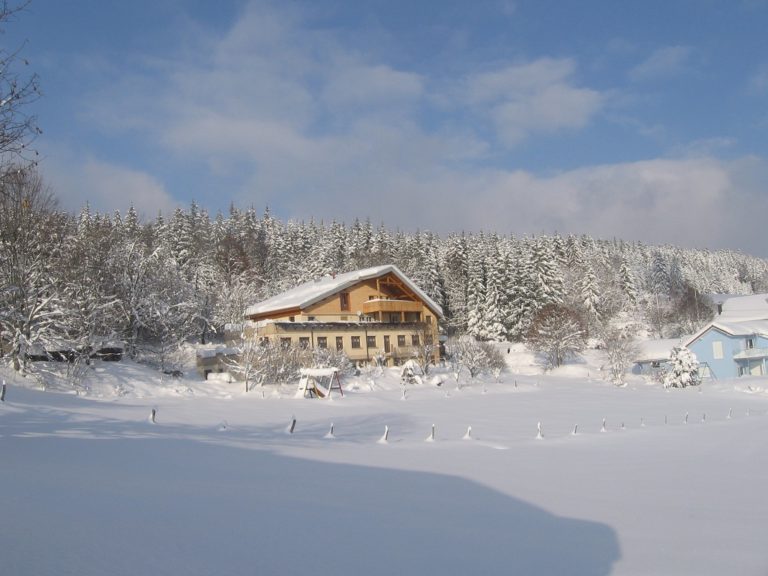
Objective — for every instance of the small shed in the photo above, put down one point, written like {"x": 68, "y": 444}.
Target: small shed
{"x": 319, "y": 383}
{"x": 653, "y": 356}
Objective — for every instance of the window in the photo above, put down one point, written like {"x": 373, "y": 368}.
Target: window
{"x": 750, "y": 343}
{"x": 428, "y": 339}
{"x": 310, "y": 318}
{"x": 386, "y": 345}
{"x": 344, "y": 301}
{"x": 428, "y": 319}
{"x": 304, "y": 342}
{"x": 370, "y": 341}
{"x": 292, "y": 318}
{"x": 355, "y": 341}
{"x": 717, "y": 350}
{"x": 339, "y": 343}
{"x": 285, "y": 342}
{"x": 263, "y": 341}
{"x": 322, "y": 342}
{"x": 415, "y": 340}
{"x": 401, "y": 341}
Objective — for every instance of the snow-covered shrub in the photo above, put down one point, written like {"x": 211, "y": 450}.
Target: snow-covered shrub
{"x": 466, "y": 353}
{"x": 683, "y": 369}
{"x": 621, "y": 349}
{"x": 332, "y": 358}
{"x": 495, "y": 359}
{"x": 558, "y": 333}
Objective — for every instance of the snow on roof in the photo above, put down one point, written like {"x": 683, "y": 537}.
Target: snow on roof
{"x": 318, "y": 372}
{"x": 733, "y": 329}
{"x": 656, "y": 350}
{"x": 213, "y": 352}
{"x": 741, "y": 308}
{"x": 313, "y": 291}
{"x": 741, "y": 316}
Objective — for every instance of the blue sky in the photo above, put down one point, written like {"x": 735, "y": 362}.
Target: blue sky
{"x": 638, "y": 120}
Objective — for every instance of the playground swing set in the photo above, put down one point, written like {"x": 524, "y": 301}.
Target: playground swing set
{"x": 319, "y": 383}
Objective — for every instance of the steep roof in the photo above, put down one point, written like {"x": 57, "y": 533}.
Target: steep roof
{"x": 743, "y": 308}
{"x": 655, "y": 350}
{"x": 741, "y": 316}
{"x": 733, "y": 329}
{"x": 314, "y": 291}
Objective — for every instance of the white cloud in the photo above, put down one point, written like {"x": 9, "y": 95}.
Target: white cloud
{"x": 357, "y": 84}
{"x": 662, "y": 63}
{"x": 290, "y": 118}
{"x": 759, "y": 81}
{"x": 536, "y": 97}
{"x": 106, "y": 187}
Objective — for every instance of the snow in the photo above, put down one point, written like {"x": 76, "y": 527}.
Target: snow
{"x": 744, "y": 308}
{"x": 657, "y": 350}
{"x": 316, "y": 290}
{"x": 319, "y": 372}
{"x": 217, "y": 486}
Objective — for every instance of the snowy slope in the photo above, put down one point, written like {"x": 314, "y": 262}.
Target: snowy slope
{"x": 218, "y": 486}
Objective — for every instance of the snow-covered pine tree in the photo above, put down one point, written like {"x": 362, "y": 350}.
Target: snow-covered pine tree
{"x": 455, "y": 272}
{"x": 32, "y": 234}
{"x": 495, "y": 308}
{"x": 683, "y": 369}
{"x": 476, "y": 296}
{"x": 589, "y": 295}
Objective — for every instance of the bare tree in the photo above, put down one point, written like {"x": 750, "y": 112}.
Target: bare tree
{"x": 495, "y": 359}
{"x": 621, "y": 350}
{"x": 18, "y": 128}
{"x": 31, "y": 237}
{"x": 558, "y": 333}
{"x": 466, "y": 353}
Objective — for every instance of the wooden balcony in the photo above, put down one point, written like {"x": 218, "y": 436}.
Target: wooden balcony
{"x": 390, "y": 306}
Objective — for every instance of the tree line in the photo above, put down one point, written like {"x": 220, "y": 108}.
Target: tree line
{"x": 69, "y": 279}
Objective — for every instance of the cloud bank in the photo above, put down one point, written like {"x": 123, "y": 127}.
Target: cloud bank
{"x": 292, "y": 118}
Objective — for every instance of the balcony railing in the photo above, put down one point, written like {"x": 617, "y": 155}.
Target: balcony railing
{"x": 389, "y": 306}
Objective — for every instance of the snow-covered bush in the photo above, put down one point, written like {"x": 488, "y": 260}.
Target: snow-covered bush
{"x": 621, "y": 350}
{"x": 466, "y": 353}
{"x": 683, "y": 369}
{"x": 558, "y": 333}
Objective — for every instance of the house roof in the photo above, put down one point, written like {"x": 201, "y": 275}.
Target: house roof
{"x": 316, "y": 290}
{"x": 655, "y": 350}
{"x": 743, "y": 308}
{"x": 741, "y": 316}
{"x": 733, "y": 329}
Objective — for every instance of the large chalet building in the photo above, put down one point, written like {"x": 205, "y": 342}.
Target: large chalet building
{"x": 372, "y": 313}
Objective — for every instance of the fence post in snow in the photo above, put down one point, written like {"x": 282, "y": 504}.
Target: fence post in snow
{"x": 2, "y": 393}
{"x": 330, "y": 432}
{"x": 730, "y": 414}
{"x": 153, "y": 415}
{"x": 603, "y": 429}
{"x": 385, "y": 438}
{"x": 575, "y": 430}
{"x": 468, "y": 435}
{"x": 539, "y": 434}
{"x": 431, "y": 437}
{"x": 292, "y": 426}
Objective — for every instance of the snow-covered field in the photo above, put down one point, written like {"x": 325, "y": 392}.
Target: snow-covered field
{"x": 217, "y": 485}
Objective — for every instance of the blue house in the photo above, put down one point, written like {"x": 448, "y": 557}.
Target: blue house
{"x": 735, "y": 343}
